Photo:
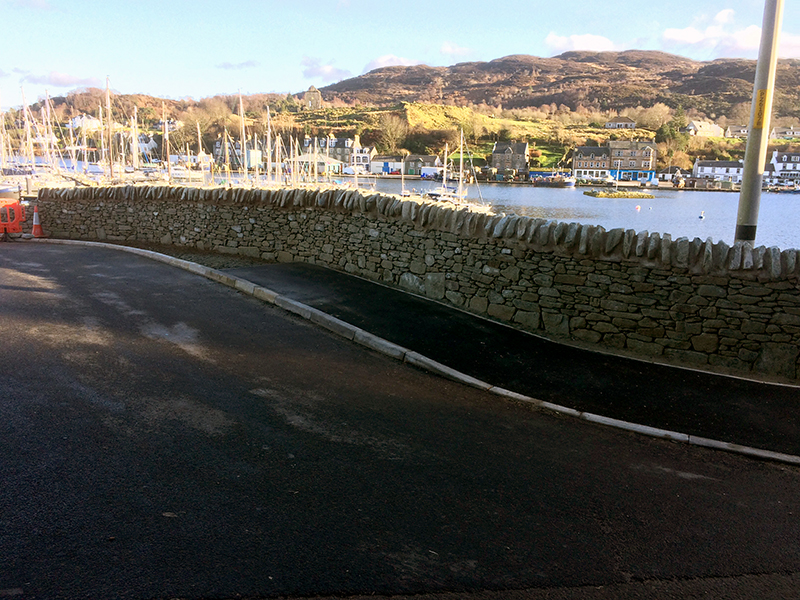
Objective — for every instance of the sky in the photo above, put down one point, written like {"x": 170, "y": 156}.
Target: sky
{"x": 195, "y": 49}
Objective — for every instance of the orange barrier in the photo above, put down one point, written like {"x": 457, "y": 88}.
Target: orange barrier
{"x": 12, "y": 214}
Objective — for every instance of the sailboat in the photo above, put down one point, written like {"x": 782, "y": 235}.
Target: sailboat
{"x": 444, "y": 193}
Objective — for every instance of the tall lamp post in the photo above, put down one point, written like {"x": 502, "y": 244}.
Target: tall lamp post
{"x": 758, "y": 134}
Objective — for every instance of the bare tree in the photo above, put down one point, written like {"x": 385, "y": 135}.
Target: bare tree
{"x": 393, "y": 132}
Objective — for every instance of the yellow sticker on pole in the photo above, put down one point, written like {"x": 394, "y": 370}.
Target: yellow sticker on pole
{"x": 761, "y": 116}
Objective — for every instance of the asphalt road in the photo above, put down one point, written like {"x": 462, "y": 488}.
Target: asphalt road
{"x": 162, "y": 436}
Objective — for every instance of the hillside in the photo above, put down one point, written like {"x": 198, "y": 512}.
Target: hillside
{"x": 598, "y": 80}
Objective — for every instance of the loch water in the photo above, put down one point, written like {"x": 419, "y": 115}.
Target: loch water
{"x": 672, "y": 211}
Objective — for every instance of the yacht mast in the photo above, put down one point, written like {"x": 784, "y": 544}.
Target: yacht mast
{"x": 28, "y": 142}
{"x": 269, "y": 146}
{"x": 243, "y": 140}
{"x": 135, "y": 139}
{"x": 461, "y": 167}
{"x": 444, "y": 171}
{"x": 165, "y": 149}
{"x": 110, "y": 130}
{"x": 102, "y": 136}
{"x": 200, "y": 154}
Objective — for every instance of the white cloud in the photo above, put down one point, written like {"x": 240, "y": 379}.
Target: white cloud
{"x": 718, "y": 37}
{"x": 314, "y": 69}
{"x": 688, "y": 35}
{"x": 56, "y": 79}
{"x": 724, "y": 16}
{"x": 389, "y": 60}
{"x": 558, "y": 44}
{"x": 450, "y": 49}
{"x": 789, "y": 46}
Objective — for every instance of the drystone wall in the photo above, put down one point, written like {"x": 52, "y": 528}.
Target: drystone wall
{"x": 689, "y": 302}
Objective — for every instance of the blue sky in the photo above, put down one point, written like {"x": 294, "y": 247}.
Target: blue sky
{"x": 178, "y": 48}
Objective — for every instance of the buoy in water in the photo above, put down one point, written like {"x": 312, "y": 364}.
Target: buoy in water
{"x": 702, "y": 214}
{"x": 638, "y": 207}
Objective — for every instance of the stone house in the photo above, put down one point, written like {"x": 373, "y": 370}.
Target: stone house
{"x": 591, "y": 162}
{"x": 633, "y": 160}
{"x": 312, "y": 99}
{"x": 510, "y": 155}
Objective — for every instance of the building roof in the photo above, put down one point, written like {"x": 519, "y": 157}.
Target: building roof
{"x": 514, "y": 147}
{"x": 720, "y": 163}
{"x": 631, "y": 145}
{"x": 783, "y": 157}
{"x": 598, "y": 151}
{"x": 621, "y": 120}
{"x": 704, "y": 126}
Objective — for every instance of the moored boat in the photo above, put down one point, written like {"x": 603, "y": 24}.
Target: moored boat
{"x": 559, "y": 181}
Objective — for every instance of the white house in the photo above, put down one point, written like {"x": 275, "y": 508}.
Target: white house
{"x": 719, "y": 170}
{"x": 785, "y": 133}
{"x": 704, "y": 129}
{"x": 85, "y": 122}
{"x": 621, "y": 123}
{"x": 383, "y": 165}
{"x": 736, "y": 131}
{"x": 786, "y": 167}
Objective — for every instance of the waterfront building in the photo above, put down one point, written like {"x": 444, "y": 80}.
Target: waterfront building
{"x": 622, "y": 160}
{"x": 511, "y": 155}
{"x": 386, "y": 164}
{"x": 786, "y": 167}
{"x": 414, "y": 163}
{"x": 346, "y": 150}
{"x": 362, "y": 157}
{"x": 718, "y": 170}
{"x": 671, "y": 173}
{"x": 591, "y": 162}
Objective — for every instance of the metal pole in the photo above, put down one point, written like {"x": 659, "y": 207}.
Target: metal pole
{"x": 758, "y": 134}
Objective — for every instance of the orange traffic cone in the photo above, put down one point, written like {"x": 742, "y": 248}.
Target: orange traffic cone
{"x": 37, "y": 230}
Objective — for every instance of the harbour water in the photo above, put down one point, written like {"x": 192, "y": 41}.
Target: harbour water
{"x": 676, "y": 212}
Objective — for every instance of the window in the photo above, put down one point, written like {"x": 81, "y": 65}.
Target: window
{"x": 632, "y": 164}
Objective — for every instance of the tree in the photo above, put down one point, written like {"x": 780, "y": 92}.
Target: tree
{"x": 393, "y": 132}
